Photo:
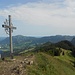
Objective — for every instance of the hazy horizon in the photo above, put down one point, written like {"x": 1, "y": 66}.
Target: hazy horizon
{"x": 38, "y": 35}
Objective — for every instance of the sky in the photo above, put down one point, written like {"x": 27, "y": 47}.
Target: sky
{"x": 39, "y": 17}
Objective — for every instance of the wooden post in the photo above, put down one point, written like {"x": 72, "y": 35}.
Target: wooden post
{"x": 10, "y": 37}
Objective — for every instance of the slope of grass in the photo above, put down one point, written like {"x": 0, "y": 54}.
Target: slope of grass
{"x": 67, "y": 57}
{"x": 44, "y": 64}
{"x": 47, "y": 65}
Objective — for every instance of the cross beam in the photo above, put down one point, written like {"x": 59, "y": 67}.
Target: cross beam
{"x": 6, "y": 26}
{"x": 9, "y": 28}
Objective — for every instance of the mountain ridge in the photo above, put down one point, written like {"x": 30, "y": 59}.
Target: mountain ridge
{"x": 53, "y": 39}
{"x": 21, "y": 41}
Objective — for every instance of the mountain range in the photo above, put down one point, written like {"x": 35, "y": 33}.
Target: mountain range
{"x": 22, "y": 41}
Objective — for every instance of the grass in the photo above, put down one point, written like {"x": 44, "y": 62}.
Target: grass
{"x": 48, "y": 65}
{"x": 44, "y": 64}
{"x": 67, "y": 57}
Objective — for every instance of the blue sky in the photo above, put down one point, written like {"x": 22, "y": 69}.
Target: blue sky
{"x": 6, "y": 3}
{"x": 39, "y": 17}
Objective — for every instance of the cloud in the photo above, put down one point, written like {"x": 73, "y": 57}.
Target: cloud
{"x": 52, "y": 1}
{"x": 57, "y": 14}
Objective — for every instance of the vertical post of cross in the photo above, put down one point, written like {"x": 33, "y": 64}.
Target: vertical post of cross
{"x": 10, "y": 37}
{"x": 9, "y": 29}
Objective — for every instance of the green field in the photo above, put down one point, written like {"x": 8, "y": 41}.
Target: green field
{"x": 47, "y": 65}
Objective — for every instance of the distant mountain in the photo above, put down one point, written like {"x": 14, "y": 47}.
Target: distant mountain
{"x": 58, "y": 38}
{"x": 73, "y": 41}
{"x": 2, "y": 38}
{"x": 25, "y": 41}
{"x": 18, "y": 41}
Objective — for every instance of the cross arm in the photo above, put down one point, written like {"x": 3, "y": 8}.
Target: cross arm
{"x": 6, "y": 26}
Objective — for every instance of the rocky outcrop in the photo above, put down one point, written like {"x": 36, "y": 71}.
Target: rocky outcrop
{"x": 20, "y": 69}
{"x": 17, "y": 66}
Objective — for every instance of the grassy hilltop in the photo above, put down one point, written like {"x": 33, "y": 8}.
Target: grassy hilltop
{"x": 43, "y": 64}
{"x": 49, "y": 65}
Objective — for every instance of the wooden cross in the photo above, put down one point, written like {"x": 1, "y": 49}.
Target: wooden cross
{"x": 9, "y": 29}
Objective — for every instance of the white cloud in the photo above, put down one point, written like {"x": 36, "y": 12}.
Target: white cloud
{"x": 41, "y": 13}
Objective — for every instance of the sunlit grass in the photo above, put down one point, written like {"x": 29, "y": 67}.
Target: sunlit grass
{"x": 48, "y": 65}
